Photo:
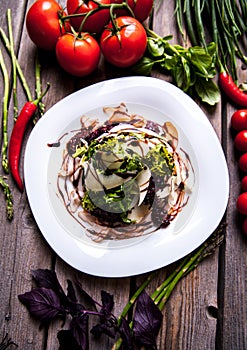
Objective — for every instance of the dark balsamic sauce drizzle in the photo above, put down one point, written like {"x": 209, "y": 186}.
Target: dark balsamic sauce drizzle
{"x": 167, "y": 217}
{"x": 58, "y": 142}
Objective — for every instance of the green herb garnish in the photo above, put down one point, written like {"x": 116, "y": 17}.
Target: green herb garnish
{"x": 115, "y": 200}
{"x": 160, "y": 161}
{"x": 87, "y": 203}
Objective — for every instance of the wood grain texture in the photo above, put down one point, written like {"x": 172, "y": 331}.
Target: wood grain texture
{"x": 207, "y": 309}
{"x": 233, "y": 273}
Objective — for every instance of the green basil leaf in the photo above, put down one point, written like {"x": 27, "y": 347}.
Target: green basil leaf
{"x": 155, "y": 47}
{"x": 211, "y": 47}
{"x": 197, "y": 50}
{"x": 202, "y": 62}
{"x": 144, "y": 66}
{"x": 180, "y": 49}
{"x": 168, "y": 37}
{"x": 181, "y": 75}
{"x": 206, "y": 75}
{"x": 208, "y": 91}
{"x": 169, "y": 62}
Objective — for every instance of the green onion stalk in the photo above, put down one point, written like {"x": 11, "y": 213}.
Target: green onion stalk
{"x": 5, "y": 164}
{"x": 227, "y": 27}
{"x": 18, "y": 68}
{"x": 162, "y": 293}
{"x": 38, "y": 86}
{"x": 13, "y": 60}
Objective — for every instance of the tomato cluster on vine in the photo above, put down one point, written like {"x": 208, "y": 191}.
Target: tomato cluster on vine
{"x": 88, "y": 29}
{"x": 239, "y": 124}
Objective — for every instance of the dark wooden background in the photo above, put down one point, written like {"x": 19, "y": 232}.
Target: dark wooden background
{"x": 207, "y": 310}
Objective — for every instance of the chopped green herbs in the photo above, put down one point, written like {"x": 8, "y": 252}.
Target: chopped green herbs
{"x": 118, "y": 168}
{"x": 87, "y": 203}
{"x": 160, "y": 161}
{"x": 115, "y": 200}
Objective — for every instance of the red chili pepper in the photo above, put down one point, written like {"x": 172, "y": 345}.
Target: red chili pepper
{"x": 17, "y": 135}
{"x": 232, "y": 90}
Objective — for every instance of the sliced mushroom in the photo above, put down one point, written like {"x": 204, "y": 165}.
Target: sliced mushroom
{"x": 139, "y": 147}
{"x": 91, "y": 179}
{"x": 138, "y": 213}
{"x": 142, "y": 180}
{"x": 171, "y": 134}
{"x": 110, "y": 160}
{"x": 110, "y": 181}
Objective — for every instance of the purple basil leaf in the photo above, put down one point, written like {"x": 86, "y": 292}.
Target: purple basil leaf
{"x": 71, "y": 292}
{"x": 103, "y": 328}
{"x": 43, "y": 304}
{"x": 107, "y": 302}
{"x": 45, "y": 278}
{"x": 79, "y": 329}
{"x": 108, "y": 322}
{"x": 147, "y": 321}
{"x": 87, "y": 298}
{"x": 126, "y": 335}
{"x": 67, "y": 341}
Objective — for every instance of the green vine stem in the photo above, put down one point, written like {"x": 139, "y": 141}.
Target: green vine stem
{"x": 38, "y": 85}
{"x": 18, "y": 68}
{"x": 12, "y": 54}
{"x": 100, "y": 7}
{"x": 132, "y": 300}
{"x": 5, "y": 163}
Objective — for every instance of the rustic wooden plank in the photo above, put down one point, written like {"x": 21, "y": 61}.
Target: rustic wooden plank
{"x": 190, "y": 316}
{"x": 233, "y": 275}
{"x": 9, "y": 231}
{"x": 23, "y": 247}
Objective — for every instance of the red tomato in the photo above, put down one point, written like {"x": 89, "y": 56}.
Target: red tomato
{"x": 239, "y": 120}
{"x": 141, "y": 8}
{"x": 242, "y": 203}
{"x": 125, "y": 47}
{"x": 95, "y": 22}
{"x": 43, "y": 24}
{"x": 78, "y": 56}
{"x": 240, "y": 141}
{"x": 243, "y": 162}
{"x": 244, "y": 183}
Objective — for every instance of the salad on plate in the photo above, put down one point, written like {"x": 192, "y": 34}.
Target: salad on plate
{"x": 125, "y": 177}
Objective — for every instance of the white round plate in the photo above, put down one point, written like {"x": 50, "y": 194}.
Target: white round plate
{"x": 156, "y": 100}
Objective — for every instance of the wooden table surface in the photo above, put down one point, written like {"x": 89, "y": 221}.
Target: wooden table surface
{"x": 207, "y": 309}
